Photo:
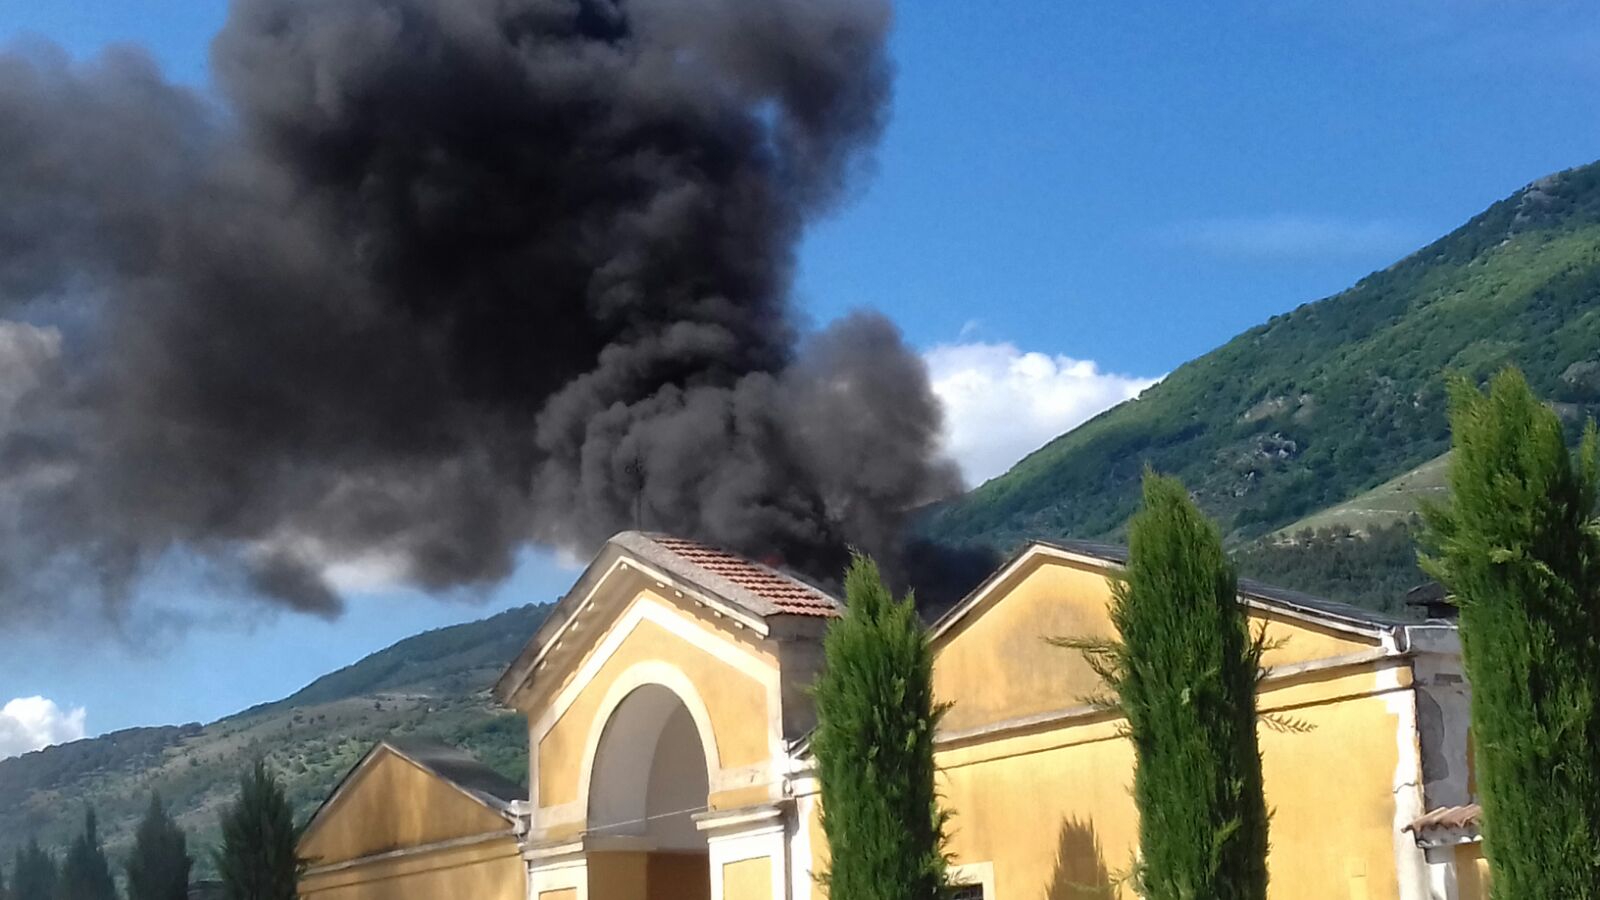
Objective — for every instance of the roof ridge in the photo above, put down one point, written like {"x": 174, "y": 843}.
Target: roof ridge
{"x": 456, "y": 765}
{"x": 783, "y": 592}
{"x": 1247, "y": 587}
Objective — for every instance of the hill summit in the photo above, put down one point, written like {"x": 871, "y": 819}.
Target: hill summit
{"x": 1321, "y": 404}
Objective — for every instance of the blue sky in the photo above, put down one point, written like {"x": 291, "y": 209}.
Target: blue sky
{"x": 1067, "y": 193}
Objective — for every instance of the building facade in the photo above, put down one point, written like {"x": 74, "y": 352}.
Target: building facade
{"x": 668, "y": 715}
{"x": 416, "y": 819}
{"x": 668, "y": 721}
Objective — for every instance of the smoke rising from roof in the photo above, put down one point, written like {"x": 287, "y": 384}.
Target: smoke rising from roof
{"x": 437, "y": 279}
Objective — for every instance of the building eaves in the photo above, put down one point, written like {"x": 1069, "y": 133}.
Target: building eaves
{"x": 1250, "y": 590}
{"x": 461, "y": 769}
{"x": 456, "y": 767}
{"x": 1448, "y": 825}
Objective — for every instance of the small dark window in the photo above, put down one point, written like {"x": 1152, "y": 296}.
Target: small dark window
{"x": 967, "y": 892}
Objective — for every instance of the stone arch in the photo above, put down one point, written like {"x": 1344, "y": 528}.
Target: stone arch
{"x": 649, "y": 781}
{"x": 647, "y": 702}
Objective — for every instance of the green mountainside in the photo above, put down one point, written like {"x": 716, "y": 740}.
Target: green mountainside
{"x": 1312, "y": 438}
{"x": 1325, "y": 403}
{"x": 435, "y": 683}
{"x": 1396, "y": 500}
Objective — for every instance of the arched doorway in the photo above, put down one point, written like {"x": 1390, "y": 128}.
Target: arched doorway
{"x": 649, "y": 780}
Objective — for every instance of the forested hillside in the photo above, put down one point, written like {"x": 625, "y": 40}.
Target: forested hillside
{"x": 1326, "y": 402}
{"x": 435, "y": 683}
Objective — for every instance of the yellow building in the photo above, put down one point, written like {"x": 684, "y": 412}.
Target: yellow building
{"x": 668, "y": 721}
{"x": 416, "y": 819}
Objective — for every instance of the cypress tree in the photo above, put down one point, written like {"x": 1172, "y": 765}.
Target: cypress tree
{"x": 1520, "y": 553}
{"x": 257, "y": 859}
{"x": 34, "y": 875}
{"x": 85, "y": 873}
{"x": 160, "y": 864}
{"x": 876, "y": 718}
{"x": 1183, "y": 671}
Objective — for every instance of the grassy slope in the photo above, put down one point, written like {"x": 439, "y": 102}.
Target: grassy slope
{"x": 1396, "y": 500}
{"x": 433, "y": 683}
{"x": 1336, "y": 397}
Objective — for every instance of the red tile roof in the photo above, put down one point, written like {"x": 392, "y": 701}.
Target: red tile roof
{"x": 786, "y": 594}
{"x": 1460, "y": 817}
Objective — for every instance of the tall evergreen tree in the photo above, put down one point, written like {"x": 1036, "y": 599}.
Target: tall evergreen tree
{"x": 1519, "y": 550}
{"x": 34, "y": 875}
{"x": 160, "y": 864}
{"x": 85, "y": 873}
{"x": 257, "y": 859}
{"x": 1183, "y": 670}
{"x": 876, "y": 718}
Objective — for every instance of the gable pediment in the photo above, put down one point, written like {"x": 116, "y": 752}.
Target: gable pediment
{"x": 993, "y": 660}
{"x": 735, "y": 600}
{"x": 391, "y": 803}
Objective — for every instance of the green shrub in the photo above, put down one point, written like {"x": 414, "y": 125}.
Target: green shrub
{"x": 1520, "y": 552}
{"x": 874, "y": 748}
{"x": 1183, "y": 671}
{"x": 257, "y": 859}
{"x": 158, "y": 868}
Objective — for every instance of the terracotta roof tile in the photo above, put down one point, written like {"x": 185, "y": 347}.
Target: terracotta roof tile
{"x": 1462, "y": 817}
{"x": 786, "y": 594}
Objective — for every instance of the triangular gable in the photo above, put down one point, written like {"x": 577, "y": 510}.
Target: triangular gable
{"x": 743, "y": 597}
{"x": 390, "y": 801}
{"x": 1106, "y": 557}
{"x": 992, "y": 659}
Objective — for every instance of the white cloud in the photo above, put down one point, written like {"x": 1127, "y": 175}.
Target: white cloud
{"x": 368, "y": 573}
{"x": 29, "y": 723}
{"x": 1002, "y": 403}
{"x": 1289, "y": 236}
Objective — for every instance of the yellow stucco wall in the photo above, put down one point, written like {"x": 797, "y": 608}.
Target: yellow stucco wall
{"x": 640, "y": 875}
{"x": 1472, "y": 873}
{"x": 393, "y": 804}
{"x": 1048, "y": 805}
{"x": 1051, "y": 812}
{"x": 735, "y": 701}
{"x": 619, "y": 876}
{"x": 995, "y": 664}
{"x": 397, "y": 832}
{"x": 489, "y": 871}
{"x": 1332, "y": 789}
{"x": 747, "y": 879}
{"x": 1050, "y": 809}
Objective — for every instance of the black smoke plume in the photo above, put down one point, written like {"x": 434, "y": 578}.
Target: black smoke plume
{"x": 436, "y": 279}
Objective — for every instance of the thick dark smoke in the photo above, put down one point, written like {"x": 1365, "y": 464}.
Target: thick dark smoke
{"x": 435, "y": 280}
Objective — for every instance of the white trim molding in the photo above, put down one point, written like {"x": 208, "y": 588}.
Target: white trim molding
{"x": 801, "y": 878}
{"x": 980, "y": 874}
{"x": 1410, "y": 864}
{"x": 755, "y": 833}
{"x": 557, "y": 867}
